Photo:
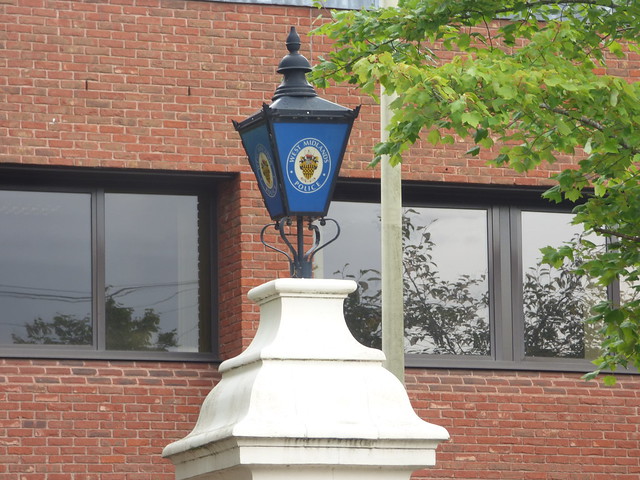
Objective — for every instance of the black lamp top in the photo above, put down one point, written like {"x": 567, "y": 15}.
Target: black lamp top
{"x": 294, "y": 68}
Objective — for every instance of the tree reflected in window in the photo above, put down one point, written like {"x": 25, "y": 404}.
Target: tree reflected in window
{"x": 124, "y": 331}
{"x": 61, "y": 330}
{"x": 445, "y": 314}
{"x": 556, "y": 302}
{"x": 442, "y": 314}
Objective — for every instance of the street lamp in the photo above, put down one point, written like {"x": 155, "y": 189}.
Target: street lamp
{"x": 295, "y": 148}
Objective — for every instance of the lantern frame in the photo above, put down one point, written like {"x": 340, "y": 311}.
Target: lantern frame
{"x": 295, "y": 148}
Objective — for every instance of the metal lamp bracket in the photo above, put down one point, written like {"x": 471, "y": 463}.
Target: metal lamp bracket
{"x": 300, "y": 262}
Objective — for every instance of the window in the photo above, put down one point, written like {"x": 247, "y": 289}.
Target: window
{"x": 105, "y": 272}
{"x": 555, "y": 303}
{"x": 151, "y": 271}
{"x": 475, "y": 291}
{"x": 45, "y": 280}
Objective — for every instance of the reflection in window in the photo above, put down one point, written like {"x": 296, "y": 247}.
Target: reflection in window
{"x": 445, "y": 277}
{"x": 446, "y": 292}
{"x": 151, "y": 257}
{"x": 45, "y": 268}
{"x": 555, "y": 301}
{"x": 355, "y": 255}
{"x": 456, "y": 294}
{"x": 629, "y": 292}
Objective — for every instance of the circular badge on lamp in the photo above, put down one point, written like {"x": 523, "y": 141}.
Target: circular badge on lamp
{"x": 264, "y": 167}
{"x": 308, "y": 165}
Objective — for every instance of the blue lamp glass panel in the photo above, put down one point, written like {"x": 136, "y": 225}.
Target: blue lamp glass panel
{"x": 256, "y": 143}
{"x": 309, "y": 154}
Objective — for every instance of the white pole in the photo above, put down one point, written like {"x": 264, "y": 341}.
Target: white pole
{"x": 391, "y": 242}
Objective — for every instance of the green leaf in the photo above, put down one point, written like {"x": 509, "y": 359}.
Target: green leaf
{"x": 609, "y": 380}
{"x": 611, "y": 145}
{"x": 614, "y": 316}
{"x": 481, "y": 134}
{"x": 587, "y": 146}
{"x": 553, "y": 80}
{"x": 473, "y": 151}
{"x": 563, "y": 128}
{"x": 613, "y": 98}
{"x": 472, "y": 118}
{"x": 616, "y": 49}
{"x": 573, "y": 194}
{"x": 554, "y": 194}
{"x": 434, "y": 136}
{"x": 463, "y": 41}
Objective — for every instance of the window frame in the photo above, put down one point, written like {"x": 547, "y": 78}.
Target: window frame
{"x": 506, "y": 318}
{"x": 97, "y": 182}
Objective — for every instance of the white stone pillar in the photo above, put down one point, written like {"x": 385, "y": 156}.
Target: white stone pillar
{"x": 305, "y": 401}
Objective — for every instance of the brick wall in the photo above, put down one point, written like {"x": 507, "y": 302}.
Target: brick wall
{"x": 98, "y": 420}
{"x": 154, "y": 84}
{"x": 529, "y": 425}
{"x": 63, "y": 420}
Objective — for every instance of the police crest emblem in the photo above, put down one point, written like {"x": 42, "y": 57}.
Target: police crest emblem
{"x": 264, "y": 171}
{"x": 308, "y": 165}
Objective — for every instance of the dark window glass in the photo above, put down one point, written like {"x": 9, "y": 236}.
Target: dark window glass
{"x": 45, "y": 268}
{"x": 105, "y": 271}
{"x": 445, "y": 276}
{"x": 355, "y": 255}
{"x": 629, "y": 292}
{"x": 555, "y": 301}
{"x": 151, "y": 270}
{"x": 446, "y": 289}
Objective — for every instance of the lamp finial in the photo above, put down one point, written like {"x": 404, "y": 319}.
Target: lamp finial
{"x": 293, "y": 41}
{"x": 294, "y": 68}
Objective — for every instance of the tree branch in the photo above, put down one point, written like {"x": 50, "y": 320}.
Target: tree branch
{"x": 606, "y": 231}
{"x": 589, "y": 122}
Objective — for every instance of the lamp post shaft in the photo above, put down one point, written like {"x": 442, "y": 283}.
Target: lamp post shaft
{"x": 302, "y": 267}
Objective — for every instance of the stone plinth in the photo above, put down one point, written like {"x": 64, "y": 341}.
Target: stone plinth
{"x": 305, "y": 401}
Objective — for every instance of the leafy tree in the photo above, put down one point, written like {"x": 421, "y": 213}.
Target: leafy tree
{"x": 527, "y": 82}
{"x": 124, "y": 331}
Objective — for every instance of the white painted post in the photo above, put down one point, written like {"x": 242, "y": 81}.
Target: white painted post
{"x": 391, "y": 241}
{"x": 305, "y": 401}
{"x": 391, "y": 252}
